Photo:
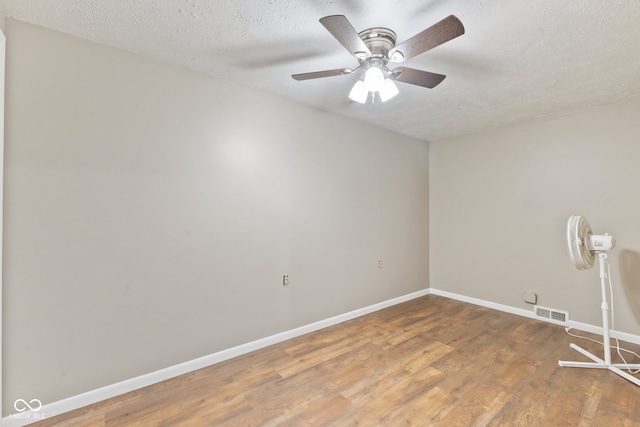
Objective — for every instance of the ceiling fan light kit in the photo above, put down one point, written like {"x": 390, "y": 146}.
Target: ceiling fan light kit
{"x": 373, "y": 78}
{"x": 375, "y": 48}
{"x": 359, "y": 92}
{"x": 584, "y": 247}
{"x": 388, "y": 90}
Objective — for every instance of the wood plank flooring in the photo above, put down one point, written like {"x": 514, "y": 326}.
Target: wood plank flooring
{"x": 431, "y": 361}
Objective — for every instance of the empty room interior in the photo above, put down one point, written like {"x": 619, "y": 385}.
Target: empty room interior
{"x": 237, "y": 213}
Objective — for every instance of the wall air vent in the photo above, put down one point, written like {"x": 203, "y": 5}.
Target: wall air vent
{"x": 551, "y": 314}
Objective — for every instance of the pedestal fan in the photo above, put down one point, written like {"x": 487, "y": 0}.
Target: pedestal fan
{"x": 584, "y": 246}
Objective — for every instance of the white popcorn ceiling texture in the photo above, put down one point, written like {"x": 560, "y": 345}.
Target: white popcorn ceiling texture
{"x": 517, "y": 61}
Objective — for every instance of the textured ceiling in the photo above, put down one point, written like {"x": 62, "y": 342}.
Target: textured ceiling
{"x": 517, "y": 61}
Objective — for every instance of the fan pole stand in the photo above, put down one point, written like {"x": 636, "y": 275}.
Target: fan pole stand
{"x": 597, "y": 362}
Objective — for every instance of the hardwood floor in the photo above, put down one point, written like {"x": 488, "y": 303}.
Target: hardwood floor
{"x": 431, "y": 361}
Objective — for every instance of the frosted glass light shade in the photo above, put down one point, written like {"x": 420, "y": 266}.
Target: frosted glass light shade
{"x": 388, "y": 90}
{"x": 373, "y": 79}
{"x": 359, "y": 92}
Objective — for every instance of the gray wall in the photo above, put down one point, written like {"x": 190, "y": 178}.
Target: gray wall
{"x": 499, "y": 203}
{"x": 151, "y": 212}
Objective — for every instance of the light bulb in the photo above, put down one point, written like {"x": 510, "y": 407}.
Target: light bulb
{"x": 373, "y": 79}
{"x": 359, "y": 92}
{"x": 388, "y": 90}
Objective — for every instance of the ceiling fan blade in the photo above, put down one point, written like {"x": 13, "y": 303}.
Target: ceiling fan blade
{"x": 417, "y": 77}
{"x": 447, "y": 29}
{"x": 320, "y": 74}
{"x": 343, "y": 31}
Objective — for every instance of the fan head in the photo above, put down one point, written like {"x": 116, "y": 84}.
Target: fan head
{"x": 583, "y": 244}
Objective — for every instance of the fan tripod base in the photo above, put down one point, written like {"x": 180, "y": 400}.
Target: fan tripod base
{"x": 597, "y": 362}
{"x": 600, "y": 364}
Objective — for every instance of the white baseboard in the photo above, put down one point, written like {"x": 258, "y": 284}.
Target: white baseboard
{"x": 75, "y": 402}
{"x": 635, "y": 339}
{"x": 483, "y": 303}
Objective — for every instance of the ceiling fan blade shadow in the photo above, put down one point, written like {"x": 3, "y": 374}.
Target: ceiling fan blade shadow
{"x": 340, "y": 27}
{"x": 469, "y": 64}
{"x": 273, "y": 54}
{"x": 321, "y": 74}
{"x": 441, "y": 32}
{"x": 264, "y": 61}
{"x": 418, "y": 77}
{"x": 424, "y": 8}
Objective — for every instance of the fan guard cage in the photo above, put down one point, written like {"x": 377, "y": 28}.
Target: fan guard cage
{"x": 578, "y": 238}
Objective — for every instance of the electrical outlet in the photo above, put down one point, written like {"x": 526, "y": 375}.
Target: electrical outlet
{"x": 285, "y": 280}
{"x": 380, "y": 264}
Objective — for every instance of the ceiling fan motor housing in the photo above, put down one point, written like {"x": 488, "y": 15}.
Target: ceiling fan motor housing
{"x": 379, "y": 41}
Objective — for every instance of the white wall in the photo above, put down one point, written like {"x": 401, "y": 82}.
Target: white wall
{"x": 499, "y": 202}
{"x": 151, "y": 213}
{"x": 3, "y": 41}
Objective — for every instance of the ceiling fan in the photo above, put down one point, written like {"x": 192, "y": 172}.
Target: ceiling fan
{"x": 375, "y": 48}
